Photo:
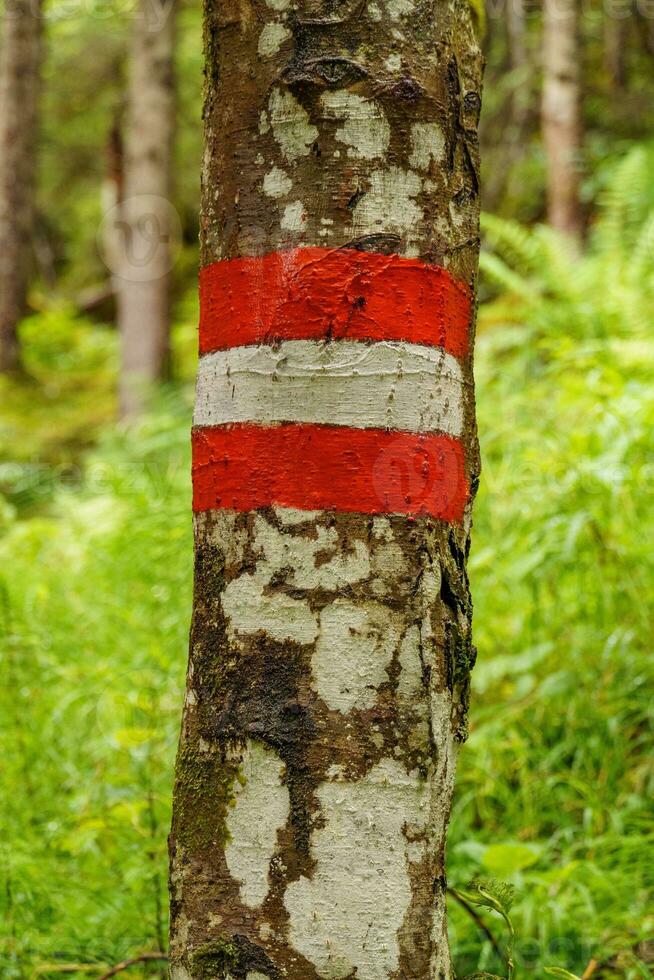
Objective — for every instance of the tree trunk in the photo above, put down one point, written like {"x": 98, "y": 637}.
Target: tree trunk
{"x": 335, "y": 462}
{"x": 616, "y": 23}
{"x": 20, "y": 67}
{"x": 516, "y": 15}
{"x": 562, "y": 128}
{"x": 521, "y": 66}
{"x": 112, "y": 195}
{"x": 145, "y": 215}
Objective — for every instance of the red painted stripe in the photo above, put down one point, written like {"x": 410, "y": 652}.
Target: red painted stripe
{"x": 313, "y": 293}
{"x": 320, "y": 467}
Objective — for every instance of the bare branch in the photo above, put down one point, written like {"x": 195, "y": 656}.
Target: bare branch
{"x": 125, "y": 965}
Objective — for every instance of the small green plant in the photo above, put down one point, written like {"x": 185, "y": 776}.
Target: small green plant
{"x": 496, "y": 896}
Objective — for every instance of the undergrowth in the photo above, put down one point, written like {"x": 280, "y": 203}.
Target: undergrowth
{"x": 556, "y": 782}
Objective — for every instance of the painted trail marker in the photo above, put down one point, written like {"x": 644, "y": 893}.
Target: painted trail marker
{"x": 331, "y": 379}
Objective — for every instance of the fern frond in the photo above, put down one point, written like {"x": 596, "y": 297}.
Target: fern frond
{"x": 517, "y": 245}
{"x": 560, "y": 269}
{"x": 642, "y": 258}
{"x": 501, "y": 275}
{"x": 628, "y": 196}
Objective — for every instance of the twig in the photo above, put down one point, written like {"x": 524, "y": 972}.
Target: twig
{"x": 125, "y": 965}
{"x": 477, "y": 919}
{"x": 42, "y": 968}
{"x": 590, "y": 969}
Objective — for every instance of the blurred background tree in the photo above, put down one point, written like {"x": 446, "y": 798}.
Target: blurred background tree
{"x": 141, "y": 220}
{"x": 20, "y": 77}
{"x": 556, "y": 783}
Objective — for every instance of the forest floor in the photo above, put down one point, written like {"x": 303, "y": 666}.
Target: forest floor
{"x": 556, "y": 781}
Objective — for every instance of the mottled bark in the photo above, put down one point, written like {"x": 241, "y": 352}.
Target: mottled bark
{"x": 561, "y": 113}
{"x": 144, "y": 217}
{"x": 330, "y": 651}
{"x": 20, "y": 67}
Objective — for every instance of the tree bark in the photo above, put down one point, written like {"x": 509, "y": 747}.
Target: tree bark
{"x": 335, "y": 463}
{"x": 144, "y": 215}
{"x": 561, "y": 112}
{"x": 20, "y": 69}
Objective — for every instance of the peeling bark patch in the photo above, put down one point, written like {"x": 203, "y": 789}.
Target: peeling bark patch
{"x": 389, "y": 205}
{"x": 428, "y": 143}
{"x": 271, "y": 39}
{"x": 277, "y": 183}
{"x": 355, "y": 647}
{"x": 247, "y": 604}
{"x": 250, "y": 611}
{"x": 299, "y": 556}
{"x": 399, "y": 8}
{"x": 290, "y": 124}
{"x": 411, "y": 672}
{"x": 294, "y": 217}
{"x": 341, "y": 928}
{"x": 260, "y": 809}
{"x": 364, "y": 127}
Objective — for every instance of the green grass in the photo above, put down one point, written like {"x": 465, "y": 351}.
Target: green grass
{"x": 96, "y": 607}
{"x": 556, "y": 782}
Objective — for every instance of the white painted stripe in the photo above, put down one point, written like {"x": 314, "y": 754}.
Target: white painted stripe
{"x": 386, "y": 385}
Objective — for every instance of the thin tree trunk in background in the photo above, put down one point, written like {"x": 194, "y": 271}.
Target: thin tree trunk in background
{"x": 615, "y": 41}
{"x": 517, "y": 32}
{"x": 20, "y": 68}
{"x": 561, "y": 110}
{"x": 520, "y": 64}
{"x": 113, "y": 195}
{"x": 335, "y": 462}
{"x": 143, "y": 282}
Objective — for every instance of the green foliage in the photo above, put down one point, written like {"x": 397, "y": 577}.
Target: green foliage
{"x": 61, "y": 407}
{"x": 498, "y": 896}
{"x": 554, "y": 786}
{"x": 607, "y": 292}
{"x": 617, "y": 112}
{"x": 96, "y": 603}
{"x": 84, "y": 98}
{"x": 492, "y": 894}
{"x": 478, "y": 11}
